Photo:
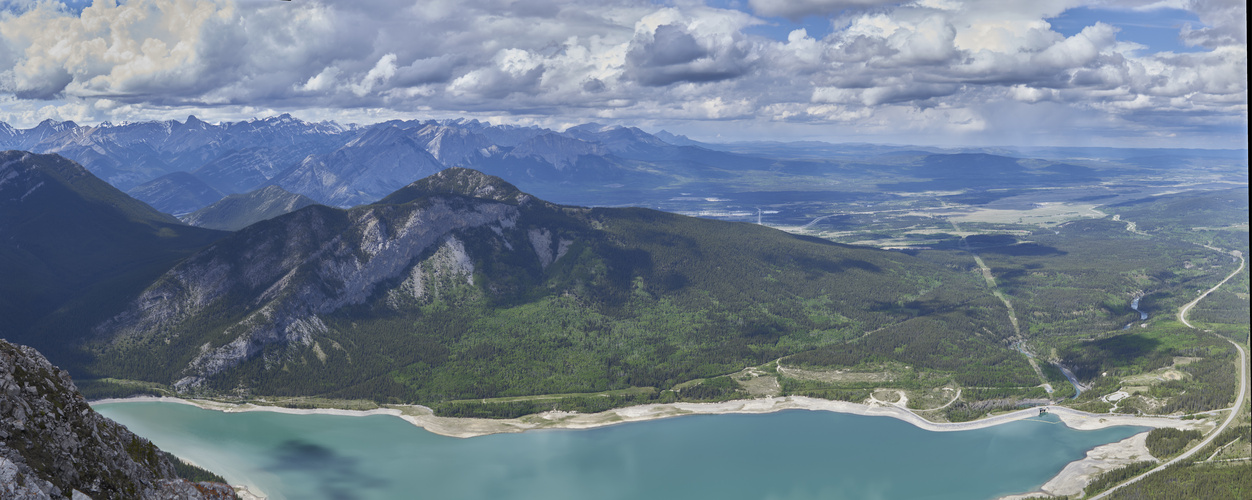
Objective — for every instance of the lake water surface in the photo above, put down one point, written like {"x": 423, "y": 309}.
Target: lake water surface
{"x": 793, "y": 454}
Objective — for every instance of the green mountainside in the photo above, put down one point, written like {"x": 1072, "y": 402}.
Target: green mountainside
{"x": 71, "y": 241}
{"x": 238, "y": 211}
{"x": 462, "y": 292}
{"x": 459, "y": 286}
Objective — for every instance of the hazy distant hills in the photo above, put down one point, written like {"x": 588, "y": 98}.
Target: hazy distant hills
{"x": 238, "y": 211}
{"x": 176, "y": 193}
{"x": 69, "y": 237}
{"x": 460, "y": 285}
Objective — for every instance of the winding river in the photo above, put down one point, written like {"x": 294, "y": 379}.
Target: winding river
{"x": 1134, "y": 304}
{"x": 1078, "y": 388}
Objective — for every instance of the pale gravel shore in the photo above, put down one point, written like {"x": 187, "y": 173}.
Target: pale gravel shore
{"x": 423, "y": 417}
{"x": 1073, "y": 478}
{"x": 1077, "y": 475}
{"x": 245, "y": 493}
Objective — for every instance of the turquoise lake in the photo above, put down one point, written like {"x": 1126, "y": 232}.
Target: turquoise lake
{"x": 792, "y": 454}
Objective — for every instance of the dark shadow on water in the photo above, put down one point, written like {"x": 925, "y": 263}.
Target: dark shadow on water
{"x": 337, "y": 476}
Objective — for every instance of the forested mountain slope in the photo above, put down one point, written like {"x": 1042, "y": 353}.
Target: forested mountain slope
{"x": 461, "y": 286}
{"x": 238, "y": 211}
{"x": 71, "y": 240}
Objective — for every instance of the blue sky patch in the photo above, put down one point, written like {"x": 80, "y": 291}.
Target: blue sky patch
{"x": 1158, "y": 29}
{"x": 778, "y": 28}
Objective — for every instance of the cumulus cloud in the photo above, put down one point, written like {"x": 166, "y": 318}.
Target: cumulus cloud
{"x": 673, "y": 55}
{"x": 376, "y": 76}
{"x": 1226, "y": 22}
{"x": 130, "y": 48}
{"x": 948, "y": 66}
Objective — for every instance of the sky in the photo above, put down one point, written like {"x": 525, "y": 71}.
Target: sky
{"x": 1130, "y": 73}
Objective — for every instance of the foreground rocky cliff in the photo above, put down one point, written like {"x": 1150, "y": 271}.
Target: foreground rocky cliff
{"x": 53, "y": 445}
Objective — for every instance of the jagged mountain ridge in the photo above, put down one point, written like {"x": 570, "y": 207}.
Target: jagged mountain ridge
{"x": 345, "y": 166}
{"x": 53, "y": 445}
{"x": 130, "y": 154}
{"x": 365, "y": 169}
{"x": 455, "y": 146}
{"x": 427, "y": 294}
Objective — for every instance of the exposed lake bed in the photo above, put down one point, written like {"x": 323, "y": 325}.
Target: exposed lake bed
{"x": 765, "y": 453}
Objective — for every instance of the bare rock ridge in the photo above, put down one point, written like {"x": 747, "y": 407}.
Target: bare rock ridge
{"x": 394, "y": 159}
{"x": 53, "y": 445}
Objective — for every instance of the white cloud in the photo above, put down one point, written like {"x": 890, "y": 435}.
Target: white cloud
{"x": 378, "y": 75}
{"x": 322, "y": 81}
{"x": 546, "y": 61}
{"x": 1226, "y": 20}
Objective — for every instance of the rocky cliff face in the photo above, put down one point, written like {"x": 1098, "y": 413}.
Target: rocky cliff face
{"x": 455, "y": 147}
{"x": 369, "y": 167}
{"x": 558, "y": 150}
{"x": 53, "y": 445}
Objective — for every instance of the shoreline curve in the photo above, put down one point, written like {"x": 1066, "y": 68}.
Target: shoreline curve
{"x": 460, "y": 427}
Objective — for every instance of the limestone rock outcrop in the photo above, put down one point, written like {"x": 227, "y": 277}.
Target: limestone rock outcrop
{"x": 53, "y": 445}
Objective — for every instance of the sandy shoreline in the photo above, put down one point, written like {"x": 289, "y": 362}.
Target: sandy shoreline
{"x": 423, "y": 417}
{"x": 1074, "y": 477}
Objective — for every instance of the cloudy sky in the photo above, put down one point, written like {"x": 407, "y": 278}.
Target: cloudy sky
{"x": 949, "y": 72}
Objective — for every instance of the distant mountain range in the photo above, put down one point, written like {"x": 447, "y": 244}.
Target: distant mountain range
{"x": 180, "y": 167}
